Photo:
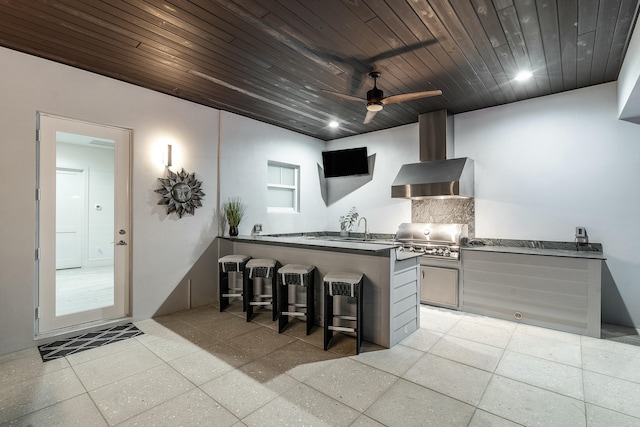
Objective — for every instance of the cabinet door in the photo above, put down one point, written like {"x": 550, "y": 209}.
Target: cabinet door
{"x": 439, "y": 286}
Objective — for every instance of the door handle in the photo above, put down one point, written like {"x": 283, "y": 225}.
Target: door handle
{"x": 121, "y": 243}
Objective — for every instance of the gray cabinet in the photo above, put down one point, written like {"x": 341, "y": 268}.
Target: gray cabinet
{"x": 405, "y": 304}
{"x": 560, "y": 293}
{"x": 439, "y": 286}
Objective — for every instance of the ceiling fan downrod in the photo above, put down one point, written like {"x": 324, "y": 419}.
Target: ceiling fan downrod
{"x": 375, "y": 95}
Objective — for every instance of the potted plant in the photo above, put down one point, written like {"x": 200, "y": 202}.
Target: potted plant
{"x": 348, "y": 221}
{"x": 234, "y": 210}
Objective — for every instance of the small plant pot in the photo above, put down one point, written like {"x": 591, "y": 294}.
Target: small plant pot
{"x": 233, "y": 230}
{"x": 344, "y": 233}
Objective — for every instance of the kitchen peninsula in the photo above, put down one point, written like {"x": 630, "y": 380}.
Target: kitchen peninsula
{"x": 391, "y": 287}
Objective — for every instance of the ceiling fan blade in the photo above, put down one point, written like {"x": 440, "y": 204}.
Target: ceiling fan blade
{"x": 370, "y": 115}
{"x": 410, "y": 96}
{"x": 342, "y": 95}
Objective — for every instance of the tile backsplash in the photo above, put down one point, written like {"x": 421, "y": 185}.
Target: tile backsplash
{"x": 453, "y": 211}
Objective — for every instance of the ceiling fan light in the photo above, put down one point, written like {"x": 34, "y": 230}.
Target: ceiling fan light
{"x": 374, "y": 106}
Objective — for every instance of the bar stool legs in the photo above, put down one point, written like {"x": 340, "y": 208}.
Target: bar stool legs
{"x": 328, "y": 318}
{"x": 228, "y": 264}
{"x": 297, "y": 275}
{"x": 346, "y": 285}
{"x": 264, "y": 269}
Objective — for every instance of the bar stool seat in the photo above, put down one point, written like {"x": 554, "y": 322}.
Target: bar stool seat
{"x": 226, "y": 265}
{"x": 296, "y": 275}
{"x": 342, "y": 284}
{"x": 264, "y": 269}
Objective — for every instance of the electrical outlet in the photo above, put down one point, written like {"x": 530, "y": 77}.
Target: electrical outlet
{"x": 581, "y": 236}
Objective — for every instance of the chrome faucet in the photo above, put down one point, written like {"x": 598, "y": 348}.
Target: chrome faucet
{"x": 366, "y": 227}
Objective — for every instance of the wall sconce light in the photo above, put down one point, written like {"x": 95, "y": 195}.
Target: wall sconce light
{"x": 167, "y": 156}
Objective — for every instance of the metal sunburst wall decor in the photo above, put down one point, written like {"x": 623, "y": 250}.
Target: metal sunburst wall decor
{"x": 181, "y": 192}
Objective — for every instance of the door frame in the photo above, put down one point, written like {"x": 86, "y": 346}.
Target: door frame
{"x": 46, "y": 323}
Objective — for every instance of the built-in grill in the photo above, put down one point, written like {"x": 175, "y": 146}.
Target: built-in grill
{"x": 438, "y": 246}
{"x": 431, "y": 239}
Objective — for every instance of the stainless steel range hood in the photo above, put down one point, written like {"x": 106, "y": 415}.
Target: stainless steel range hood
{"x": 436, "y": 175}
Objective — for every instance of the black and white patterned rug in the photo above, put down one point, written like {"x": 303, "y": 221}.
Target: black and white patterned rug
{"x": 88, "y": 341}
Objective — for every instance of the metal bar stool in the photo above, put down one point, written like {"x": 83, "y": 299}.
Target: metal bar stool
{"x": 297, "y": 275}
{"x": 264, "y": 269}
{"x": 342, "y": 284}
{"x": 226, "y": 265}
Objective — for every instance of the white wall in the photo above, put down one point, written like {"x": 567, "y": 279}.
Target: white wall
{"x": 164, "y": 248}
{"x": 393, "y": 148}
{"x": 546, "y": 165}
{"x": 246, "y": 147}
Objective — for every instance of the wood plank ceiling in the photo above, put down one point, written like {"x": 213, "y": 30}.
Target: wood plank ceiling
{"x": 272, "y": 60}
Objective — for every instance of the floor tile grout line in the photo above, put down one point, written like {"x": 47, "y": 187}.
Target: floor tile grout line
{"x": 101, "y": 357}
{"x": 57, "y": 402}
{"x": 584, "y": 388}
{"x": 493, "y": 375}
{"x": 347, "y": 405}
{"x": 40, "y": 376}
{"x": 195, "y": 387}
{"x": 276, "y": 397}
{"x": 148, "y": 368}
{"x": 97, "y": 407}
{"x": 363, "y": 412}
{"x": 8, "y": 422}
{"x": 613, "y": 410}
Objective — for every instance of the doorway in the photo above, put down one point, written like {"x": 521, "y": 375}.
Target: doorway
{"x": 83, "y": 224}
{"x": 70, "y": 221}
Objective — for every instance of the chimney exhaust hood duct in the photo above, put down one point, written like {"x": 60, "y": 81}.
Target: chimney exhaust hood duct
{"x": 436, "y": 175}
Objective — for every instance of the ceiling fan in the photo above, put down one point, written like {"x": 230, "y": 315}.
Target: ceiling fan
{"x": 376, "y": 100}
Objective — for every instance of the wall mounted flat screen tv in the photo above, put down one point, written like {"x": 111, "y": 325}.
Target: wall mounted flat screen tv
{"x": 345, "y": 162}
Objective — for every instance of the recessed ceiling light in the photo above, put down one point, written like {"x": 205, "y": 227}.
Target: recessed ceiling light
{"x": 523, "y": 75}
{"x": 333, "y": 124}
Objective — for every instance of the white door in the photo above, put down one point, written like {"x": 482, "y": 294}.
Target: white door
{"x": 97, "y": 290}
{"x": 70, "y": 206}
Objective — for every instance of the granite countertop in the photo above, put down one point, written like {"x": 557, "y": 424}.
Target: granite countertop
{"x": 381, "y": 244}
{"x": 533, "y": 247}
{"x": 373, "y": 246}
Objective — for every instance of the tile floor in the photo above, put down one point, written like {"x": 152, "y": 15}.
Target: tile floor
{"x": 81, "y": 289}
{"x": 206, "y": 368}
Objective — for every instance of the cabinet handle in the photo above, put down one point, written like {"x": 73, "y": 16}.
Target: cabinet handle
{"x": 422, "y": 273}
